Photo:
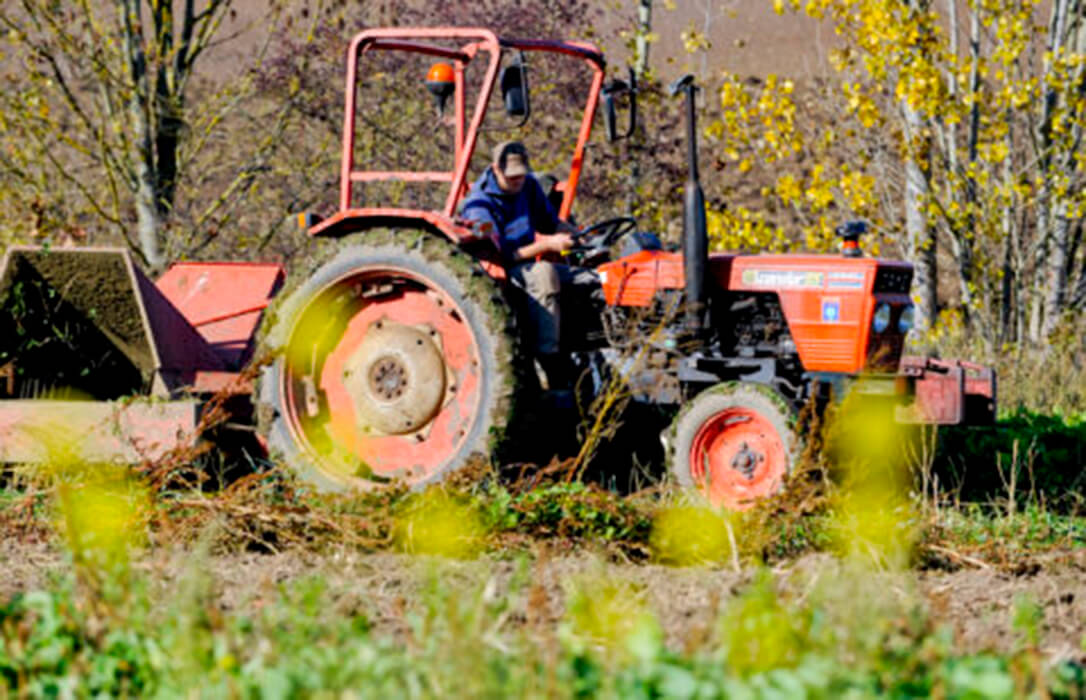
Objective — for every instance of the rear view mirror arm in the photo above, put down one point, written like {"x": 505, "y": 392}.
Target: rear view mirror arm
{"x": 610, "y": 91}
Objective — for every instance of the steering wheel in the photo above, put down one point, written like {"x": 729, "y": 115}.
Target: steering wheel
{"x": 604, "y": 234}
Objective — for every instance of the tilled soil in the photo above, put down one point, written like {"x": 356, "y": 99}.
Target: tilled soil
{"x": 978, "y": 604}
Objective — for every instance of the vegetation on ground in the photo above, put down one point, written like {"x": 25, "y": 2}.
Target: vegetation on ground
{"x": 107, "y": 625}
{"x": 459, "y": 639}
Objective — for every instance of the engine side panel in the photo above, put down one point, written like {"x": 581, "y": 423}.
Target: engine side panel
{"x": 635, "y": 279}
{"x": 828, "y": 301}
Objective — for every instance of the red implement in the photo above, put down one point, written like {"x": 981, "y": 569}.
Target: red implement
{"x": 84, "y": 333}
{"x": 949, "y": 392}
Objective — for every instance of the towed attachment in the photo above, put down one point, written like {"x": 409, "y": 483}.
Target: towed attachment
{"x": 95, "y": 355}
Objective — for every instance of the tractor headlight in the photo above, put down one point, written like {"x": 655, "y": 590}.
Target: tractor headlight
{"x": 905, "y": 323}
{"x": 881, "y": 321}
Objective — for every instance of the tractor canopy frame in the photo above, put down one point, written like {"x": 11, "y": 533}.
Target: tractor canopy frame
{"x": 478, "y": 41}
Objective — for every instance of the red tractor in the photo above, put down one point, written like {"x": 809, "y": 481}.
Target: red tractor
{"x": 396, "y": 355}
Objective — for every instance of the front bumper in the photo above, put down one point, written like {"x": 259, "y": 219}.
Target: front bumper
{"x": 947, "y": 392}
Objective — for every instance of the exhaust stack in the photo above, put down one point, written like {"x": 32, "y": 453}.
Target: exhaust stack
{"x": 695, "y": 230}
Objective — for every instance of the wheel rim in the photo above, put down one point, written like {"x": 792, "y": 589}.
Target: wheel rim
{"x": 738, "y": 457}
{"x": 381, "y": 378}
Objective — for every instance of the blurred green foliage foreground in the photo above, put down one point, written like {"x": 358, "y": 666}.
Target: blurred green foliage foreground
{"x": 458, "y": 641}
{"x": 111, "y": 622}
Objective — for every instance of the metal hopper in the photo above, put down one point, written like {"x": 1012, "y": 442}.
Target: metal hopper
{"x": 93, "y": 354}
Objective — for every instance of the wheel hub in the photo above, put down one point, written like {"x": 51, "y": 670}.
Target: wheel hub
{"x": 746, "y": 460}
{"x": 396, "y": 379}
{"x": 388, "y": 378}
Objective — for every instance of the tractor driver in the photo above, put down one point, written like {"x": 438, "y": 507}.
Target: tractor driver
{"x": 508, "y": 197}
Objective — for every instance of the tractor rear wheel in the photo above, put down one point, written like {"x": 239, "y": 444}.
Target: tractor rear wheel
{"x": 735, "y": 443}
{"x": 392, "y": 359}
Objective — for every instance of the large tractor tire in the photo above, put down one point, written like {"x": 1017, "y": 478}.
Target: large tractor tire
{"x": 392, "y": 359}
{"x": 735, "y": 443}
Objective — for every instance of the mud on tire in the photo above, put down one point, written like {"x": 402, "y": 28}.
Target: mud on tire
{"x": 353, "y": 396}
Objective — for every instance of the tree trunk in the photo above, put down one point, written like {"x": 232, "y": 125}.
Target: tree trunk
{"x": 1009, "y": 300}
{"x": 1044, "y": 309}
{"x": 641, "y": 68}
{"x": 169, "y": 101}
{"x": 1060, "y": 251}
{"x": 1076, "y": 283}
{"x": 148, "y": 220}
{"x": 920, "y": 235}
{"x": 641, "y": 45}
{"x": 1078, "y": 298}
{"x": 1056, "y": 277}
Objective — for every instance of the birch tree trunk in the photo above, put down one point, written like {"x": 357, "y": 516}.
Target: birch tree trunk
{"x": 962, "y": 236}
{"x": 148, "y": 221}
{"x": 644, "y": 37}
{"x": 1059, "y": 259}
{"x": 920, "y": 235}
{"x": 642, "y": 44}
{"x": 1042, "y": 295}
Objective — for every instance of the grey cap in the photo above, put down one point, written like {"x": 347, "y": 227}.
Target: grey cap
{"x": 511, "y": 158}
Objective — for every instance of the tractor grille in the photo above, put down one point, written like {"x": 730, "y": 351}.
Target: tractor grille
{"x": 893, "y": 280}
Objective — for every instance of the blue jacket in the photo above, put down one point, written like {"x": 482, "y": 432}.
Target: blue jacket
{"x": 516, "y": 217}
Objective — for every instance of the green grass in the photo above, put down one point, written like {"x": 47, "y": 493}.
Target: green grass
{"x": 1026, "y": 455}
{"x": 1008, "y": 537}
{"x": 459, "y": 641}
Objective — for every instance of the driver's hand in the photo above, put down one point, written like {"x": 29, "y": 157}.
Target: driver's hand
{"x": 560, "y": 242}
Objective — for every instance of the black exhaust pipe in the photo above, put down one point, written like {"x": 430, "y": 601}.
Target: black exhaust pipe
{"x": 695, "y": 230}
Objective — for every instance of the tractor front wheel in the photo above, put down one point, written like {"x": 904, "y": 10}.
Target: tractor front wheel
{"x": 735, "y": 443}
{"x": 392, "y": 359}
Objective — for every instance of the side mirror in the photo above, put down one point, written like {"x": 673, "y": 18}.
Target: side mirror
{"x": 611, "y": 91}
{"x": 514, "y": 85}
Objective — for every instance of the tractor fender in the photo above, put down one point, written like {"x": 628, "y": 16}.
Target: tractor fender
{"x": 458, "y": 231}
{"x": 347, "y": 221}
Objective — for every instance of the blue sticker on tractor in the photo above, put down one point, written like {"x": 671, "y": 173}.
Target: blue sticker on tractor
{"x": 845, "y": 280}
{"x": 845, "y": 284}
{"x": 831, "y": 310}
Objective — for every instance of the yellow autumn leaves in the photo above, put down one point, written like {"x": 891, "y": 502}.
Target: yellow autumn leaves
{"x": 758, "y": 128}
{"x": 971, "y": 103}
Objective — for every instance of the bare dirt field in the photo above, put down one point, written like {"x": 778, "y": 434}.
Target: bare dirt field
{"x": 745, "y": 37}
{"x": 977, "y": 604}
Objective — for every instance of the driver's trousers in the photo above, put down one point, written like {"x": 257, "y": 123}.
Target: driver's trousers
{"x": 543, "y": 283}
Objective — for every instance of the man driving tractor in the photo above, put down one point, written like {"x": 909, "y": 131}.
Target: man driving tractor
{"x": 527, "y": 227}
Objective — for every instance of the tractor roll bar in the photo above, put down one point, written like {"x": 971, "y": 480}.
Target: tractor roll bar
{"x": 578, "y": 49}
{"x": 416, "y": 47}
{"x": 395, "y": 38}
{"x": 476, "y": 39}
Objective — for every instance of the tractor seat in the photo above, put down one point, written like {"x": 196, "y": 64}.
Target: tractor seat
{"x": 555, "y": 190}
